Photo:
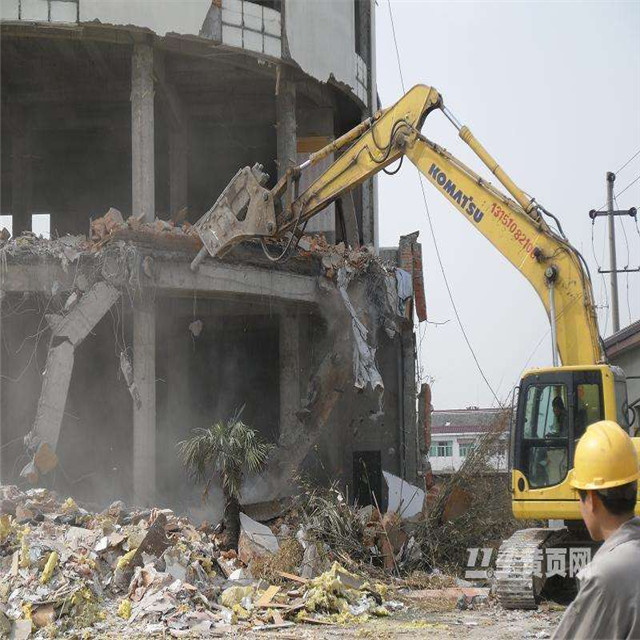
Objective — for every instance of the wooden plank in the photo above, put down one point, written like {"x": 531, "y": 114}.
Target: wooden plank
{"x": 315, "y": 620}
{"x": 293, "y": 577}
{"x": 267, "y": 596}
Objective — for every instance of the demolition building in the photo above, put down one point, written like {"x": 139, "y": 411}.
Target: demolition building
{"x": 122, "y": 122}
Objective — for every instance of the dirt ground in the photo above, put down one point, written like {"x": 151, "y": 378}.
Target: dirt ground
{"x": 415, "y": 621}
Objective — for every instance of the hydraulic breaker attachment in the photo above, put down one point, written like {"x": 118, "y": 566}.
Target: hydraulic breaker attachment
{"x": 244, "y": 210}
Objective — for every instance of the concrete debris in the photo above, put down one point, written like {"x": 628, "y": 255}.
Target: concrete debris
{"x": 76, "y": 325}
{"x": 105, "y": 225}
{"x": 196, "y": 328}
{"x": 256, "y": 540}
{"x": 53, "y": 397}
{"x": 111, "y": 223}
{"x": 73, "y": 572}
{"x": 67, "y": 333}
{"x": 127, "y": 371}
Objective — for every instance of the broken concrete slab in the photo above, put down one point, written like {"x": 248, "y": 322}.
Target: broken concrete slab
{"x": 72, "y": 329}
{"x": 53, "y": 397}
{"x": 77, "y": 324}
{"x": 256, "y": 540}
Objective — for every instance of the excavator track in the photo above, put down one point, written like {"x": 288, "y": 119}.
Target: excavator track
{"x": 518, "y": 560}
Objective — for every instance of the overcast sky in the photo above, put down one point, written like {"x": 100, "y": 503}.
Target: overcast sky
{"x": 552, "y": 89}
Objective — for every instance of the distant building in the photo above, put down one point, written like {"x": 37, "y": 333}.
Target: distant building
{"x": 455, "y": 433}
{"x": 623, "y": 350}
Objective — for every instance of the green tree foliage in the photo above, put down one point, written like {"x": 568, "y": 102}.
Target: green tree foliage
{"x": 225, "y": 451}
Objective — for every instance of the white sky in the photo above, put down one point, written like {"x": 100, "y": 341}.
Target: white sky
{"x": 552, "y": 90}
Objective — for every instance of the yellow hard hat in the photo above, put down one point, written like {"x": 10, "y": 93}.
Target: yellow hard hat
{"x": 605, "y": 457}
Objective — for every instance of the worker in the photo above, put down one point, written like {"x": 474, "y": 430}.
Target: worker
{"x": 559, "y": 419}
{"x": 606, "y": 475}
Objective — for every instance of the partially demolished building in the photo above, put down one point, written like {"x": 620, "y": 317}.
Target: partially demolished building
{"x": 112, "y": 349}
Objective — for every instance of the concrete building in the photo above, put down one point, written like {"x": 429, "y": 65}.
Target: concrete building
{"x": 455, "y": 433}
{"x": 623, "y": 350}
{"x": 113, "y": 351}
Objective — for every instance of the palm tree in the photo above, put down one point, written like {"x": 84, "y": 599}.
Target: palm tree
{"x": 225, "y": 450}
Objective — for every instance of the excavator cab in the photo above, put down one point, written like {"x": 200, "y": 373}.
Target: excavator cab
{"x": 554, "y": 408}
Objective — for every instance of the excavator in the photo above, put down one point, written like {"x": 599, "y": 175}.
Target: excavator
{"x": 554, "y": 405}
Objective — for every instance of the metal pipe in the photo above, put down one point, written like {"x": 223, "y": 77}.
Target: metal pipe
{"x": 521, "y": 198}
{"x": 340, "y": 142}
{"x": 452, "y": 119}
{"x": 552, "y": 315}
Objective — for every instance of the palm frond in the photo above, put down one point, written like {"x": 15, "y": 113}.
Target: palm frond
{"x": 224, "y": 450}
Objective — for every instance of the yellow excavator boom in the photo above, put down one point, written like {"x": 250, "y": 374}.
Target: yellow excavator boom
{"x": 514, "y": 226}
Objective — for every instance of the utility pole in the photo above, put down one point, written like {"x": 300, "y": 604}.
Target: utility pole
{"x": 613, "y": 270}
{"x": 615, "y": 311}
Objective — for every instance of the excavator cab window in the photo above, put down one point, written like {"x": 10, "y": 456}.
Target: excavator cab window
{"x": 554, "y": 409}
{"x": 546, "y": 429}
{"x": 622, "y": 404}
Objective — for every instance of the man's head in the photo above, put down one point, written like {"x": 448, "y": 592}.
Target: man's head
{"x": 605, "y": 473}
{"x": 558, "y": 406}
{"x": 605, "y": 509}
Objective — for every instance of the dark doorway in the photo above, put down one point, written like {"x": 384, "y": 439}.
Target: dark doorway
{"x": 367, "y": 478}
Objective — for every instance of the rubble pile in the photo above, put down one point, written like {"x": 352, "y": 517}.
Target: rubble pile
{"x": 362, "y": 538}
{"x": 65, "y": 569}
{"x": 107, "y": 226}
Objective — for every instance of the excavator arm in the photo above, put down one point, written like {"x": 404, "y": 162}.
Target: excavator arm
{"x": 246, "y": 209}
{"x": 555, "y": 404}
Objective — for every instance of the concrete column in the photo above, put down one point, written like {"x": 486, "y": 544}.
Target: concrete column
{"x": 316, "y": 130}
{"x": 409, "y": 394}
{"x": 144, "y": 416}
{"x": 21, "y": 174}
{"x": 286, "y": 121}
{"x": 290, "y": 372}
{"x": 368, "y": 212}
{"x": 1, "y": 350}
{"x": 178, "y": 171}
{"x": 142, "y": 133}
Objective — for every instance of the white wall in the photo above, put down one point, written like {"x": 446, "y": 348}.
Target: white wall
{"x": 321, "y": 37}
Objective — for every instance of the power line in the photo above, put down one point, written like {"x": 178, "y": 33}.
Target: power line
{"x": 433, "y": 235}
{"x": 626, "y": 242}
{"x": 395, "y": 41}
{"x": 637, "y": 153}
{"x": 617, "y": 195}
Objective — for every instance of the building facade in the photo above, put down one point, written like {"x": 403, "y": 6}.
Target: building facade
{"x": 113, "y": 351}
{"x": 623, "y": 350}
{"x": 456, "y": 433}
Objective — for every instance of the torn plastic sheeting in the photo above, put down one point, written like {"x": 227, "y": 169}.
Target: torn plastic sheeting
{"x": 405, "y": 499}
{"x": 405, "y": 289}
{"x": 365, "y": 370}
